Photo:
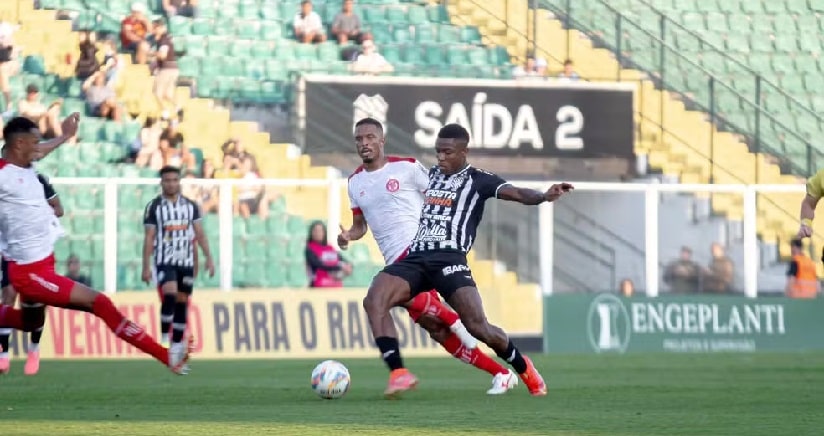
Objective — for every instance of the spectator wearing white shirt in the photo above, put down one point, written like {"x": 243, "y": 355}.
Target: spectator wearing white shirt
{"x": 7, "y": 64}
{"x": 569, "y": 74}
{"x": 308, "y": 25}
{"x": 370, "y": 61}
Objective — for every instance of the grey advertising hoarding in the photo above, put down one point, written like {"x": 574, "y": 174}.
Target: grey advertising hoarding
{"x": 505, "y": 118}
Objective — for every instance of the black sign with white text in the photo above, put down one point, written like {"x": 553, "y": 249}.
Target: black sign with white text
{"x": 504, "y": 118}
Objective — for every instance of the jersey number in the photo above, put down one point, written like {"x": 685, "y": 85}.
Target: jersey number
{"x": 572, "y": 121}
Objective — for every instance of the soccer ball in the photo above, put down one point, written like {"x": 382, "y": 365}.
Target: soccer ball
{"x": 330, "y": 379}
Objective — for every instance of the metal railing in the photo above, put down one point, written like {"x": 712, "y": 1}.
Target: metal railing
{"x": 737, "y": 98}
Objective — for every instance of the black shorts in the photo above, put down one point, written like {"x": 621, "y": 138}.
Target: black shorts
{"x": 184, "y": 276}
{"x": 4, "y": 266}
{"x": 443, "y": 270}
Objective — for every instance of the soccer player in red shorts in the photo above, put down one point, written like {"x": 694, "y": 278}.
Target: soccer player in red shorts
{"x": 27, "y": 232}
{"x": 387, "y": 192}
{"x": 9, "y": 296}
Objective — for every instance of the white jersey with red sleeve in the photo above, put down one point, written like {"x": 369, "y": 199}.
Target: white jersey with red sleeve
{"x": 390, "y": 199}
{"x": 26, "y": 219}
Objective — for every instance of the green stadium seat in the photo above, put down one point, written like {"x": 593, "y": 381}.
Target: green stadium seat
{"x": 296, "y": 276}
{"x": 180, "y": 26}
{"x": 202, "y": 27}
{"x": 437, "y": 14}
{"x": 275, "y": 275}
{"x": 248, "y": 29}
{"x": 416, "y": 15}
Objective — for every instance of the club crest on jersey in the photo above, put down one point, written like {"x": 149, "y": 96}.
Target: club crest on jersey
{"x": 392, "y": 185}
{"x": 456, "y": 181}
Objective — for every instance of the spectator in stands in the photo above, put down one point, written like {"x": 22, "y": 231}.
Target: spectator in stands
{"x": 325, "y": 266}
{"x": 683, "y": 275}
{"x": 87, "y": 63}
{"x": 205, "y": 195}
{"x": 252, "y": 199}
{"x": 307, "y": 24}
{"x": 148, "y": 145}
{"x": 370, "y": 62}
{"x": 802, "y": 278}
{"x": 568, "y": 74}
{"x": 719, "y": 276}
{"x": 540, "y": 68}
{"x": 626, "y": 288}
{"x": 230, "y": 160}
{"x": 111, "y": 62}
{"x": 184, "y": 8}
{"x": 101, "y": 100}
{"x": 244, "y": 156}
{"x": 133, "y": 32}
{"x": 166, "y": 75}
{"x": 73, "y": 271}
{"x": 535, "y": 69}
{"x": 174, "y": 150}
{"x": 8, "y": 66}
{"x": 525, "y": 70}
{"x": 347, "y": 25}
{"x": 208, "y": 195}
{"x": 46, "y": 118}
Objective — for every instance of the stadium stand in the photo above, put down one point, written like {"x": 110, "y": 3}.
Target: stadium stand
{"x": 259, "y": 257}
{"x": 675, "y": 131}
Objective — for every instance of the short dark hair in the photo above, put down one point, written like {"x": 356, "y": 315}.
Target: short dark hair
{"x": 369, "y": 121}
{"x": 16, "y": 126}
{"x": 305, "y": 2}
{"x": 168, "y": 169}
{"x": 453, "y": 131}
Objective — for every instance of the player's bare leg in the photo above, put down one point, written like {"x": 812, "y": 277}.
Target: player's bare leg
{"x": 35, "y": 314}
{"x": 386, "y": 292}
{"x": 7, "y": 299}
{"x": 467, "y": 302}
{"x": 502, "y": 379}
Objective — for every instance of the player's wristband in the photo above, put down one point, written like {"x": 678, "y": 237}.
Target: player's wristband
{"x": 807, "y": 222}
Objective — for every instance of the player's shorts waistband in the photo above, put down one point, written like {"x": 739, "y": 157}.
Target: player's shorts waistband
{"x": 44, "y": 261}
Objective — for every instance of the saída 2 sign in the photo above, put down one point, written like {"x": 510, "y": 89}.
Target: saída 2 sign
{"x": 503, "y": 117}
{"x": 608, "y": 324}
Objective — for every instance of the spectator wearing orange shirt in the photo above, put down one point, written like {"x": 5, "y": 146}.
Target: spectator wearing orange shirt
{"x": 133, "y": 31}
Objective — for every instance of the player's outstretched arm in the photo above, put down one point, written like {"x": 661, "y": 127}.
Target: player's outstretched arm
{"x": 69, "y": 127}
{"x": 531, "y": 197}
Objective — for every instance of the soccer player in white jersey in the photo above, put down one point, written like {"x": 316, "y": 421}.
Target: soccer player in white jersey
{"x": 386, "y": 194}
{"x": 27, "y": 231}
{"x": 9, "y": 296}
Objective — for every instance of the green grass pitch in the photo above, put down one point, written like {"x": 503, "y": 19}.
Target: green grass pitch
{"x": 753, "y": 394}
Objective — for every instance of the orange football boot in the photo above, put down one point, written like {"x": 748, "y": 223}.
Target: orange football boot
{"x": 400, "y": 380}
{"x": 533, "y": 380}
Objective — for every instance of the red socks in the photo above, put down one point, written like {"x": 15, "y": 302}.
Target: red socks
{"x": 130, "y": 332}
{"x": 474, "y": 357}
{"x": 11, "y": 318}
{"x": 429, "y": 303}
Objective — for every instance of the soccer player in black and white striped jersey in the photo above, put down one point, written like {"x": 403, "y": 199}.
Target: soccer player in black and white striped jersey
{"x": 173, "y": 231}
{"x": 453, "y": 208}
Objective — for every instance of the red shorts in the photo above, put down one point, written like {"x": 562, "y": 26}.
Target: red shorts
{"x": 38, "y": 283}
{"x": 416, "y": 314}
